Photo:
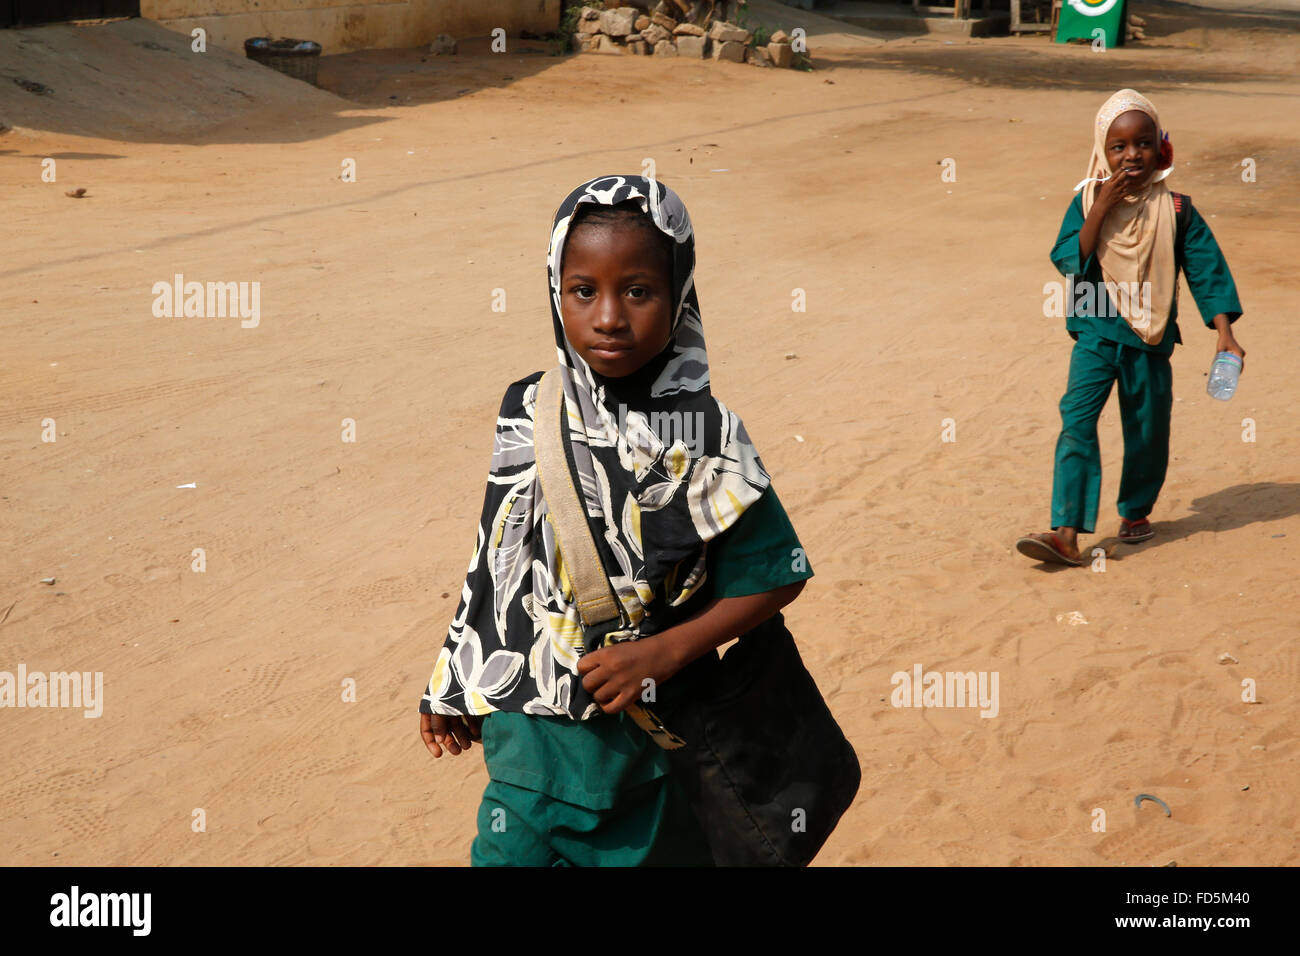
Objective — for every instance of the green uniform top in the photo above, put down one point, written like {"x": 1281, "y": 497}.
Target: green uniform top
{"x": 588, "y": 762}
{"x": 1196, "y": 255}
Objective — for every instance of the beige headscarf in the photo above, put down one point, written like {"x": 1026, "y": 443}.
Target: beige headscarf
{"x": 1136, "y": 242}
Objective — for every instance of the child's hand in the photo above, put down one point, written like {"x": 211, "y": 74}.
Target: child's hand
{"x": 1111, "y": 193}
{"x": 613, "y": 675}
{"x": 455, "y": 733}
{"x": 1116, "y": 189}
{"x": 1228, "y": 343}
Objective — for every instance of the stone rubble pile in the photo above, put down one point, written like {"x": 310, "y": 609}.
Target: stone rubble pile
{"x": 676, "y": 28}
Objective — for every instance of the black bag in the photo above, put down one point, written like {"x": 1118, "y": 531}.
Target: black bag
{"x": 766, "y": 768}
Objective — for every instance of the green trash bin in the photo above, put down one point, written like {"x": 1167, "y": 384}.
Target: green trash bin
{"x": 1080, "y": 18}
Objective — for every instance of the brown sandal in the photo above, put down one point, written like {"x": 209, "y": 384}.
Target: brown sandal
{"x": 1131, "y": 532}
{"x": 1046, "y": 548}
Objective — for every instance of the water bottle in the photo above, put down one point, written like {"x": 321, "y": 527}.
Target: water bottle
{"x": 1223, "y": 376}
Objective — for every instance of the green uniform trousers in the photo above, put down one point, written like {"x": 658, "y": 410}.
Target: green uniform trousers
{"x": 652, "y": 825}
{"x": 1145, "y": 401}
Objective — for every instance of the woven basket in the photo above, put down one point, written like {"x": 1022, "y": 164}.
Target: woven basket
{"x": 297, "y": 58}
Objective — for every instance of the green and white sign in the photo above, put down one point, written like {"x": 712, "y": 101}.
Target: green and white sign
{"x": 1081, "y": 19}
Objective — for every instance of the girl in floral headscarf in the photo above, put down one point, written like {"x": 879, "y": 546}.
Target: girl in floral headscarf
{"x": 1123, "y": 241}
{"x": 694, "y": 541}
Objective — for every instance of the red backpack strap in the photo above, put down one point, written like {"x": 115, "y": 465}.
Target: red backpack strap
{"x": 1182, "y": 213}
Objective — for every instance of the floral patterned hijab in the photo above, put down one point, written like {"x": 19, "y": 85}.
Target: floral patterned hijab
{"x": 655, "y": 501}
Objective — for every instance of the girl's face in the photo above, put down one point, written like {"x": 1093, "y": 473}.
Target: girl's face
{"x": 615, "y": 297}
{"x": 1131, "y": 144}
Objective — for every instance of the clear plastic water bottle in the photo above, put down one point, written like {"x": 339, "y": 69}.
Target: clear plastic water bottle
{"x": 1223, "y": 376}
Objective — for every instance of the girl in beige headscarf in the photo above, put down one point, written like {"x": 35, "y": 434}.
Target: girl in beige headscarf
{"x": 1121, "y": 245}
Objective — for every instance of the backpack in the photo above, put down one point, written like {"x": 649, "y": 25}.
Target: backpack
{"x": 1182, "y": 215}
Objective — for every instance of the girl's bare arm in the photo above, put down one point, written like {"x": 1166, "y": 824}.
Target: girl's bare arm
{"x": 1227, "y": 341}
{"x": 1111, "y": 193}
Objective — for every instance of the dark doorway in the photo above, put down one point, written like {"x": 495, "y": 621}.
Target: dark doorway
{"x": 25, "y": 13}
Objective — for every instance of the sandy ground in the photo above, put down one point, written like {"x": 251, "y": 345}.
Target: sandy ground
{"x": 328, "y": 561}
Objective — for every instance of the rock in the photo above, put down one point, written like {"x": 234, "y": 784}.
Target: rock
{"x": 727, "y": 32}
{"x": 654, "y": 33}
{"x": 637, "y": 46}
{"x": 688, "y": 30}
{"x": 665, "y": 48}
{"x": 589, "y": 13}
{"x": 1226, "y": 658}
{"x": 609, "y": 45}
{"x": 732, "y": 50}
{"x": 442, "y": 44}
{"x": 641, "y": 23}
{"x": 582, "y": 42}
{"x": 782, "y": 54}
{"x": 668, "y": 23}
{"x": 780, "y": 36}
{"x": 691, "y": 46}
{"x": 589, "y": 26}
{"x": 758, "y": 56}
{"x": 618, "y": 23}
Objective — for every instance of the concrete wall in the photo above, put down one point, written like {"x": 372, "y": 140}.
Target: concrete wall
{"x": 342, "y": 25}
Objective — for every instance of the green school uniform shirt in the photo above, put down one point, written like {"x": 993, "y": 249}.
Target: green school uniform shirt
{"x": 1196, "y": 255}
{"x": 588, "y": 762}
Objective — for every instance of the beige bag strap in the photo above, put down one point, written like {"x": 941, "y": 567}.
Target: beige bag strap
{"x": 596, "y": 601}
{"x": 595, "y": 598}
